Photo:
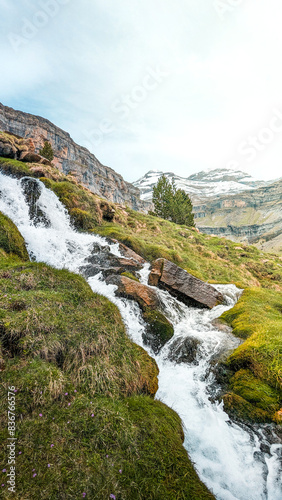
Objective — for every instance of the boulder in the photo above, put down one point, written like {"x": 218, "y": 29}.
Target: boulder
{"x": 184, "y": 350}
{"x": 31, "y": 157}
{"x": 182, "y": 285}
{"x": 7, "y": 150}
{"x": 32, "y": 191}
{"x": 130, "y": 289}
{"x": 127, "y": 252}
{"x": 102, "y": 260}
{"x": 158, "y": 330}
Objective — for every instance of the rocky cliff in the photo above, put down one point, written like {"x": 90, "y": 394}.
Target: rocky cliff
{"x": 253, "y": 216}
{"x": 70, "y": 157}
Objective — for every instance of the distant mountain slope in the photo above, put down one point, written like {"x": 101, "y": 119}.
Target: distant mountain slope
{"x": 230, "y": 203}
{"x": 201, "y": 185}
{"x": 70, "y": 157}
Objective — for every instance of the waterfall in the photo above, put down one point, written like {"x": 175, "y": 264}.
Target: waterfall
{"x": 230, "y": 458}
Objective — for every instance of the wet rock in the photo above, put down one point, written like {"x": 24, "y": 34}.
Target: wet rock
{"x": 184, "y": 350}
{"x": 102, "y": 260}
{"x": 158, "y": 330}
{"x": 32, "y": 191}
{"x": 182, "y": 285}
{"x": 130, "y": 289}
{"x": 128, "y": 253}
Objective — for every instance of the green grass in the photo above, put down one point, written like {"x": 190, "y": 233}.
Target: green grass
{"x": 86, "y": 388}
{"x": 11, "y": 241}
{"x": 256, "y": 365}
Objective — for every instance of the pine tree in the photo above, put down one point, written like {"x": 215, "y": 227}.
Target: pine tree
{"x": 47, "y": 151}
{"x": 162, "y": 198}
{"x": 171, "y": 203}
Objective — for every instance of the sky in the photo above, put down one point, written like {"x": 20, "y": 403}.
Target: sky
{"x": 179, "y": 86}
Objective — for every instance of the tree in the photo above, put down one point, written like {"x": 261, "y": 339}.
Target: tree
{"x": 47, "y": 151}
{"x": 171, "y": 203}
{"x": 162, "y": 198}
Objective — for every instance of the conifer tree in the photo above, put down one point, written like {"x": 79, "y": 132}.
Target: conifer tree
{"x": 162, "y": 198}
{"x": 171, "y": 203}
{"x": 47, "y": 151}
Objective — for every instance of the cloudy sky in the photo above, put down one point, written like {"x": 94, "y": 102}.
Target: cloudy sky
{"x": 180, "y": 85}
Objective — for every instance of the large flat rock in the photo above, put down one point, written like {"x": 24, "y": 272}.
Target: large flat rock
{"x": 130, "y": 289}
{"x": 182, "y": 285}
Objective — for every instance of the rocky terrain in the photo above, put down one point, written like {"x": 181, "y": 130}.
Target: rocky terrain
{"x": 231, "y": 204}
{"x": 70, "y": 157}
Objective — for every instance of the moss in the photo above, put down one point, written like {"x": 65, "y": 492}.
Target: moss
{"x": 255, "y": 391}
{"x": 82, "y": 205}
{"x": 159, "y": 329}
{"x": 238, "y": 408}
{"x": 10, "y": 238}
{"x": 130, "y": 275}
{"x": 255, "y": 365}
{"x": 14, "y": 167}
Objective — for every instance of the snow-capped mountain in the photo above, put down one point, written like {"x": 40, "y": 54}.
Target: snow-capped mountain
{"x": 204, "y": 184}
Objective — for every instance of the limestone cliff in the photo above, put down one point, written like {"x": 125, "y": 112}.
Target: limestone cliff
{"x": 253, "y": 216}
{"x": 70, "y": 157}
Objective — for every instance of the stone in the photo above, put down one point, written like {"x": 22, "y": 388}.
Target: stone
{"x": 158, "y": 329}
{"x": 30, "y": 157}
{"x": 102, "y": 260}
{"x": 128, "y": 253}
{"x": 32, "y": 191}
{"x": 130, "y": 289}
{"x": 184, "y": 350}
{"x": 182, "y": 285}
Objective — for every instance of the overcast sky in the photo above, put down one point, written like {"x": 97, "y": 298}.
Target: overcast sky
{"x": 173, "y": 85}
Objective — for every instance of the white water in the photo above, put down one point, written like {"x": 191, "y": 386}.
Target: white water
{"x": 227, "y": 457}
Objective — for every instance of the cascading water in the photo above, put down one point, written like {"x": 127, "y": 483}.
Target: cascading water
{"x": 230, "y": 459}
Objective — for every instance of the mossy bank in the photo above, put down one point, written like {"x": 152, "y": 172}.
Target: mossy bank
{"x": 87, "y": 424}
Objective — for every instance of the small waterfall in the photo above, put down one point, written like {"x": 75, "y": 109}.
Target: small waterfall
{"x": 235, "y": 462}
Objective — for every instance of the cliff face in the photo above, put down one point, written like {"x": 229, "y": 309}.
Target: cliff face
{"x": 70, "y": 157}
{"x": 253, "y": 216}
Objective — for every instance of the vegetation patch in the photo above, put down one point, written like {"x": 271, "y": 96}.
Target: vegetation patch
{"x": 255, "y": 365}
{"x": 10, "y": 238}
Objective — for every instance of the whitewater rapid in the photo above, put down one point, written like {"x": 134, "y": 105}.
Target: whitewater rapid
{"x": 228, "y": 458}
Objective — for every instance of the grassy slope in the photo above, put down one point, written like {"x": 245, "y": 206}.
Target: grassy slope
{"x": 212, "y": 259}
{"x": 84, "y": 395}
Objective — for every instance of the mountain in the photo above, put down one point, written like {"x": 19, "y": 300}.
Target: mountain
{"x": 230, "y": 203}
{"x": 202, "y": 185}
{"x": 69, "y": 157}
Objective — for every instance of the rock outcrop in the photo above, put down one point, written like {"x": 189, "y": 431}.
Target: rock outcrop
{"x": 69, "y": 157}
{"x": 17, "y": 148}
{"x": 104, "y": 261}
{"x": 184, "y": 286}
